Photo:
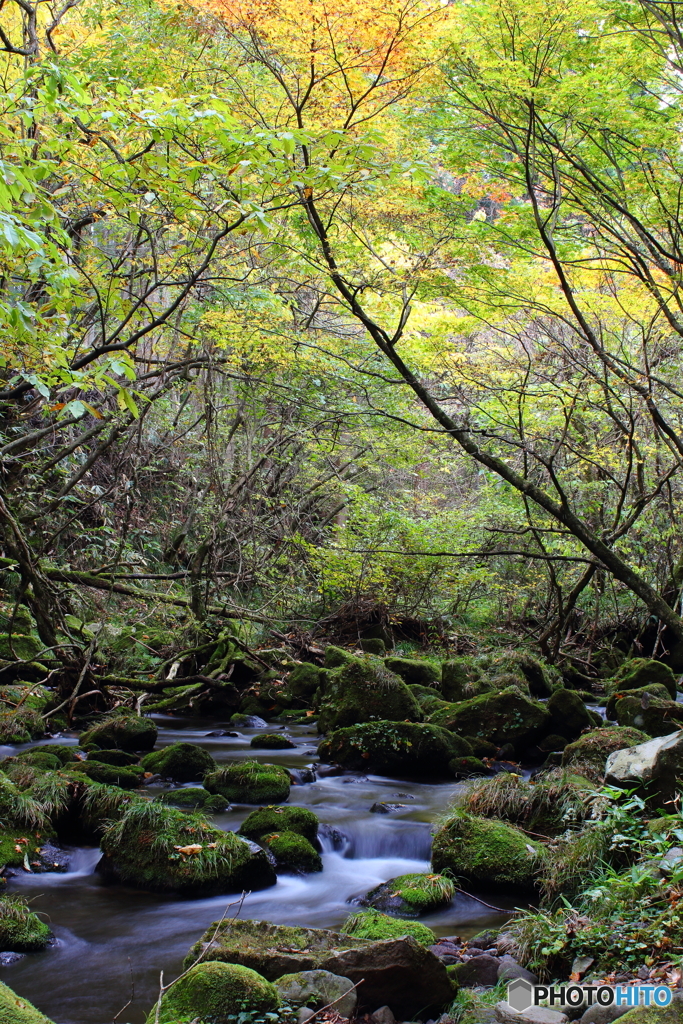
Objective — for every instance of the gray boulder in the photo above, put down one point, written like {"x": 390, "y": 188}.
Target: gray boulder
{"x": 479, "y": 970}
{"x": 534, "y": 1015}
{"x": 509, "y": 969}
{"x": 654, "y": 766}
{"x": 317, "y": 989}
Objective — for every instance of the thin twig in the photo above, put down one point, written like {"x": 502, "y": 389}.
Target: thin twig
{"x": 500, "y": 910}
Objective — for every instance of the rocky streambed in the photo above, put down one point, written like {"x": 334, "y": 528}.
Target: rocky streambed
{"x": 112, "y": 940}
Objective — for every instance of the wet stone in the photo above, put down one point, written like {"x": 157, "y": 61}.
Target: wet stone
{"x": 385, "y": 808}
{"x": 10, "y": 958}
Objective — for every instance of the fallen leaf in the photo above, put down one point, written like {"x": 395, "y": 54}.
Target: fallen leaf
{"x": 194, "y": 848}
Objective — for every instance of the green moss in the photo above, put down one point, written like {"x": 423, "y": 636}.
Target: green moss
{"x": 303, "y": 681}
{"x": 335, "y": 657}
{"x": 467, "y": 767}
{"x": 118, "y": 758}
{"x": 395, "y": 748}
{"x": 540, "y": 677}
{"x": 35, "y": 698}
{"x": 122, "y": 731}
{"x": 110, "y": 775}
{"x": 654, "y": 716}
{"x": 161, "y": 848}
{"x": 412, "y": 670}
{"x": 652, "y": 690}
{"x": 569, "y": 714}
{"x": 374, "y": 926}
{"x": 275, "y": 819}
{"x": 192, "y": 798}
{"x": 270, "y": 949}
{"x": 249, "y": 782}
{"x": 21, "y": 931}
{"x": 593, "y": 749}
{"x": 485, "y": 851}
{"x": 216, "y": 993}
{"x": 292, "y": 852}
{"x": 637, "y": 672}
{"x": 18, "y": 844}
{"x": 364, "y": 690}
{"x": 65, "y": 753}
{"x": 461, "y": 679}
{"x": 411, "y": 895}
{"x": 16, "y": 1010}
{"x": 271, "y": 741}
{"x": 19, "y": 647}
{"x": 505, "y": 717}
{"x": 41, "y": 759}
{"x": 182, "y": 762}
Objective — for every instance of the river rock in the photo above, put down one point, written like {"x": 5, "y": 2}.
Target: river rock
{"x": 182, "y": 762}
{"x": 602, "y": 1014}
{"x": 217, "y": 992}
{"x": 462, "y": 679}
{"x": 364, "y": 690}
{"x": 593, "y": 748}
{"x": 383, "y": 1016}
{"x": 395, "y": 748}
{"x": 123, "y": 732}
{"x": 534, "y": 1015}
{"x": 569, "y": 714}
{"x": 653, "y": 715}
{"x": 317, "y": 989}
{"x": 505, "y": 717}
{"x": 249, "y": 782}
{"x": 399, "y": 972}
{"x": 509, "y": 969}
{"x": 479, "y": 970}
{"x": 637, "y": 672}
{"x": 414, "y": 670}
{"x": 486, "y": 851}
{"x": 411, "y": 895}
{"x": 275, "y": 819}
{"x": 654, "y": 766}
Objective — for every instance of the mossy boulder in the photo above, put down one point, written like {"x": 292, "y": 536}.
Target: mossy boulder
{"x": 467, "y": 767}
{"x": 192, "y": 798}
{"x": 303, "y": 681}
{"x": 292, "y": 852}
{"x": 593, "y": 748}
{"x": 569, "y": 715}
{"x": 182, "y": 762}
{"x": 19, "y": 647}
{"x": 216, "y": 993}
{"x": 375, "y": 926}
{"x": 395, "y": 748}
{"x": 550, "y": 804}
{"x": 508, "y": 716}
{"x": 19, "y": 845}
{"x": 41, "y": 759}
{"x": 65, "y": 753}
{"x": 249, "y": 782}
{"x": 110, "y": 775}
{"x": 411, "y": 895}
{"x": 124, "y": 732}
{"x": 461, "y": 679}
{"x": 157, "y": 847}
{"x": 119, "y": 758}
{"x": 21, "y": 931}
{"x": 637, "y": 672}
{"x": 16, "y": 1010}
{"x": 35, "y": 698}
{"x": 653, "y": 715}
{"x": 336, "y": 657}
{"x": 415, "y": 671}
{"x": 486, "y": 852}
{"x": 363, "y": 690}
{"x": 540, "y": 678}
{"x": 317, "y": 989}
{"x": 671, "y": 1014}
{"x": 276, "y": 819}
{"x": 645, "y": 692}
{"x": 271, "y": 741}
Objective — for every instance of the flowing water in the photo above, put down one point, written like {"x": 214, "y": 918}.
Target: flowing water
{"x": 112, "y": 941}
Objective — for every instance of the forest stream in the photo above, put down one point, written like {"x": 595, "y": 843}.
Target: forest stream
{"x": 109, "y": 937}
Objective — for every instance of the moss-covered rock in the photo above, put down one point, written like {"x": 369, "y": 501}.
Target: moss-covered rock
{"x": 540, "y": 677}
{"x": 216, "y": 993}
{"x": 122, "y": 731}
{"x": 336, "y": 657}
{"x": 645, "y": 692}
{"x": 65, "y": 753}
{"x": 317, "y": 989}
{"x": 594, "y": 747}
{"x": 462, "y": 679}
{"x": 637, "y": 672}
{"x": 35, "y": 698}
{"x": 21, "y": 931}
{"x": 395, "y": 748}
{"x": 550, "y": 804}
{"x": 276, "y": 819}
{"x": 20, "y": 845}
{"x": 411, "y": 895}
{"x": 110, "y": 775}
{"x": 292, "y": 852}
{"x": 486, "y": 852}
{"x": 363, "y": 690}
{"x": 41, "y": 759}
{"x": 467, "y": 767}
{"x": 182, "y": 762}
{"x": 160, "y": 848}
{"x": 303, "y": 681}
{"x": 375, "y": 926}
{"x": 16, "y": 1010}
{"x": 415, "y": 671}
{"x": 19, "y": 647}
{"x": 192, "y": 798}
{"x": 569, "y": 715}
{"x": 508, "y": 716}
{"x": 654, "y": 716}
{"x": 271, "y": 741}
{"x": 119, "y": 758}
{"x": 249, "y": 782}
